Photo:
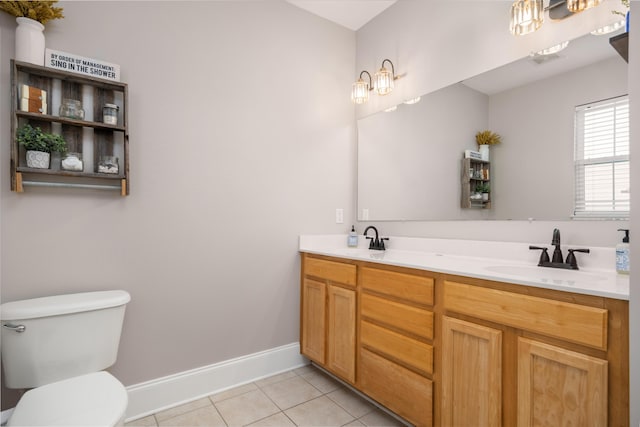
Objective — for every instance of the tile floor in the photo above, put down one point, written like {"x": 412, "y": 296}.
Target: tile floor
{"x": 302, "y": 397}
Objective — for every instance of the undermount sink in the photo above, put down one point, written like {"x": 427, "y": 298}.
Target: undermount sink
{"x": 361, "y": 253}
{"x": 545, "y": 273}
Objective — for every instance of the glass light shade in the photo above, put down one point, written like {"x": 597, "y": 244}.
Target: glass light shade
{"x": 553, "y": 49}
{"x": 383, "y": 81}
{"x": 608, "y": 28}
{"x": 360, "y": 92}
{"x": 412, "y": 101}
{"x": 526, "y": 16}
{"x": 580, "y": 5}
{"x": 391, "y": 109}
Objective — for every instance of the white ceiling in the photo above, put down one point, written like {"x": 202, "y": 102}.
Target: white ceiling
{"x": 352, "y": 14}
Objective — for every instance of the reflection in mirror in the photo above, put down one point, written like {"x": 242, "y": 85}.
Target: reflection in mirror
{"x": 410, "y": 159}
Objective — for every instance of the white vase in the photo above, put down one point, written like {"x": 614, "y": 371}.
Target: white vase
{"x": 29, "y": 41}
{"x": 38, "y": 159}
{"x": 484, "y": 152}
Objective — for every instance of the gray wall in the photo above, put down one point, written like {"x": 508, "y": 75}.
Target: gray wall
{"x": 242, "y": 137}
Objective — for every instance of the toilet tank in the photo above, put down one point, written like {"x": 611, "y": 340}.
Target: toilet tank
{"x": 64, "y": 336}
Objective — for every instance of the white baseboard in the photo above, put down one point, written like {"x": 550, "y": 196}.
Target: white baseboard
{"x": 166, "y": 392}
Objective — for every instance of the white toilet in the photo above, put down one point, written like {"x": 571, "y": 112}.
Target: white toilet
{"x": 58, "y": 346}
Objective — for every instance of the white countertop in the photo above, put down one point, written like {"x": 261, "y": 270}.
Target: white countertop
{"x": 499, "y": 261}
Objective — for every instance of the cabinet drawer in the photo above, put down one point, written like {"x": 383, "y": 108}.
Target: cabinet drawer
{"x": 572, "y": 322}
{"x": 403, "y": 317}
{"x": 399, "y": 389}
{"x": 406, "y": 350}
{"x": 331, "y": 270}
{"x": 416, "y": 289}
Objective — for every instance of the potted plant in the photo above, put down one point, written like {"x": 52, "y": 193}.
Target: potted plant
{"x": 485, "y": 192}
{"x": 31, "y": 17}
{"x": 484, "y": 139}
{"x": 39, "y": 145}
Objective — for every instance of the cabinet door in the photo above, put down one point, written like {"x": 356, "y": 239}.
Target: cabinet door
{"x": 313, "y": 318}
{"x": 341, "y": 336}
{"x": 560, "y": 387}
{"x": 471, "y": 374}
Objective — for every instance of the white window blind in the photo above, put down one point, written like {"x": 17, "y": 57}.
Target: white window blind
{"x": 602, "y": 159}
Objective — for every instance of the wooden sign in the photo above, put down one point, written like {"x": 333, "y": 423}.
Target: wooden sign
{"x": 81, "y": 65}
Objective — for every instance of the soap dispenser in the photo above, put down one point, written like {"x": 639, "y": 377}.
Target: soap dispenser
{"x": 352, "y": 240}
{"x": 622, "y": 253}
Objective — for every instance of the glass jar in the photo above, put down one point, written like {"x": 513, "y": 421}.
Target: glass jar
{"x": 110, "y": 114}
{"x": 72, "y": 109}
{"x": 72, "y": 162}
{"x": 108, "y": 164}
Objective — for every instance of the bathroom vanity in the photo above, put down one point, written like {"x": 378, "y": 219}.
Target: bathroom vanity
{"x": 481, "y": 345}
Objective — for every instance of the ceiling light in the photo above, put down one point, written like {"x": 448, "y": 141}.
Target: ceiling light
{"x": 412, "y": 101}
{"x": 526, "y": 16}
{"x": 384, "y": 79}
{"x": 553, "y": 49}
{"x": 360, "y": 89}
{"x": 608, "y": 28}
{"x": 580, "y": 5}
{"x": 390, "y": 109}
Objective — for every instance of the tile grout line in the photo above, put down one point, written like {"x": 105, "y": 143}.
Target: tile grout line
{"x": 309, "y": 371}
{"x": 218, "y": 410}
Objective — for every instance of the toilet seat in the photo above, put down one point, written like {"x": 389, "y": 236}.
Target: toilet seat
{"x": 96, "y": 399}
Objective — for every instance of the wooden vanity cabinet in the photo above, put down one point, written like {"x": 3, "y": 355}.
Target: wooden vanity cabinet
{"x": 328, "y": 315}
{"x": 514, "y": 355}
{"x": 447, "y": 350}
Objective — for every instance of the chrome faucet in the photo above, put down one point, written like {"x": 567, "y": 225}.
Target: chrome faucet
{"x": 571, "y": 262}
{"x": 376, "y": 243}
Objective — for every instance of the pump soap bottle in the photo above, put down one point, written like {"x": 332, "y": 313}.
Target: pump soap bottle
{"x": 352, "y": 240}
{"x": 622, "y": 253}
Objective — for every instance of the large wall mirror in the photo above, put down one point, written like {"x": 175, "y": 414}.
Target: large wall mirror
{"x": 410, "y": 159}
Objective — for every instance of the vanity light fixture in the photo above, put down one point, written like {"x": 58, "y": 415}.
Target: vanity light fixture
{"x": 609, "y": 28}
{"x": 384, "y": 79}
{"x": 526, "y": 16}
{"x": 580, "y": 5}
{"x": 360, "y": 89}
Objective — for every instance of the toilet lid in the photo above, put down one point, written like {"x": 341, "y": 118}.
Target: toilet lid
{"x": 96, "y": 399}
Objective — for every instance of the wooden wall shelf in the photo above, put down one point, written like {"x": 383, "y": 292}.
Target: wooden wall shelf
{"x": 92, "y": 138}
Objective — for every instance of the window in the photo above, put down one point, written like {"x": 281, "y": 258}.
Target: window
{"x": 602, "y": 159}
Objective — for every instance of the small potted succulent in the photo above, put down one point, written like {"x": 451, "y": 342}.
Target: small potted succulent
{"x": 39, "y": 145}
{"x": 483, "y": 189}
